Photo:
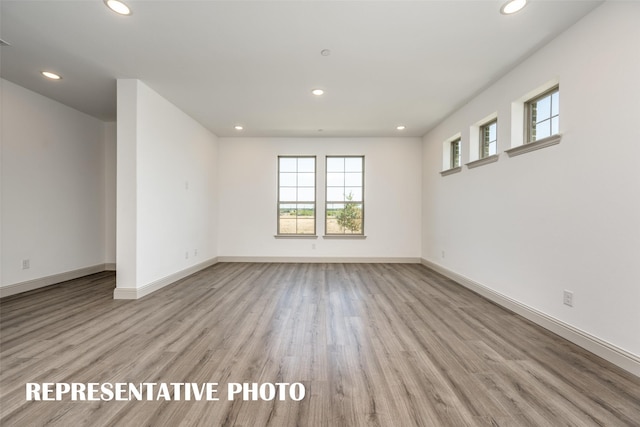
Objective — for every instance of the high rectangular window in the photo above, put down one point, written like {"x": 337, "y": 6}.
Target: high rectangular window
{"x": 296, "y": 195}
{"x": 455, "y": 153}
{"x": 543, "y": 115}
{"x": 489, "y": 139}
{"x": 345, "y": 195}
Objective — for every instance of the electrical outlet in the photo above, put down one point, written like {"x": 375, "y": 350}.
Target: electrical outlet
{"x": 442, "y": 254}
{"x": 26, "y": 264}
{"x": 195, "y": 252}
{"x": 567, "y": 298}
{"x": 186, "y": 255}
{"x": 313, "y": 246}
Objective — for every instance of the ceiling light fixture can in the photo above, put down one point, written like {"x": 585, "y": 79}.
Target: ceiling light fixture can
{"x": 512, "y": 6}
{"x": 325, "y": 52}
{"x": 317, "y": 92}
{"x": 401, "y": 127}
{"x": 238, "y": 127}
{"x": 118, "y": 7}
{"x": 50, "y": 75}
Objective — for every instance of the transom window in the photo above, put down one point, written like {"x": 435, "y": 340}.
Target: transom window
{"x": 455, "y": 153}
{"x": 489, "y": 139}
{"x": 543, "y": 115}
{"x": 296, "y": 195}
{"x": 345, "y": 195}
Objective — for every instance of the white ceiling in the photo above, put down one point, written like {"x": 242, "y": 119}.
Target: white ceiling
{"x": 255, "y": 62}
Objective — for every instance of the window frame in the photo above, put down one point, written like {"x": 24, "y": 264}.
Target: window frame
{"x": 528, "y": 114}
{"x": 345, "y": 202}
{"x": 280, "y": 202}
{"x": 485, "y": 142}
{"x": 455, "y": 159}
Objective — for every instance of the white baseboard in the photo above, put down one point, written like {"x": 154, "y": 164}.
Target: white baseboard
{"x": 41, "y": 282}
{"x": 328, "y": 260}
{"x": 616, "y": 355}
{"x": 110, "y": 266}
{"x": 136, "y": 293}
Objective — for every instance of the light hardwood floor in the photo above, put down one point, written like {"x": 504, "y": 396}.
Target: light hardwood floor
{"x": 374, "y": 344}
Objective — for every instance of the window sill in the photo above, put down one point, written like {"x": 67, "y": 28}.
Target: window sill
{"x": 295, "y": 236}
{"x": 484, "y": 161}
{"x": 344, "y": 236}
{"x": 532, "y": 146}
{"x": 451, "y": 171}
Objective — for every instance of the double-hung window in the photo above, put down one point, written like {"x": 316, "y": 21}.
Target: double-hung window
{"x": 542, "y": 115}
{"x": 296, "y": 195}
{"x": 344, "y": 195}
{"x": 455, "y": 154}
{"x": 489, "y": 139}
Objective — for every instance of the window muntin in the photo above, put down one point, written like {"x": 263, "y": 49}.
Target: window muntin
{"x": 296, "y": 195}
{"x": 455, "y": 153}
{"x": 543, "y": 115}
{"x": 489, "y": 139}
{"x": 344, "y": 195}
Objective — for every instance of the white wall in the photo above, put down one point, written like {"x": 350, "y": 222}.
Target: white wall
{"x": 110, "y": 161}
{"x": 167, "y": 169}
{"x": 248, "y": 197}
{"x": 53, "y": 197}
{"x": 126, "y": 184}
{"x": 566, "y": 216}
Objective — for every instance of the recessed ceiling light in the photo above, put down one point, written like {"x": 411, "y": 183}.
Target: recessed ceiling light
{"x": 238, "y": 127}
{"x": 512, "y": 6}
{"x": 118, "y": 7}
{"x": 317, "y": 92}
{"x": 50, "y": 75}
{"x": 325, "y": 52}
{"x": 401, "y": 127}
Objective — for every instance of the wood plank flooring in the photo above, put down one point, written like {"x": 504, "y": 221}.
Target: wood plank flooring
{"x": 374, "y": 345}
